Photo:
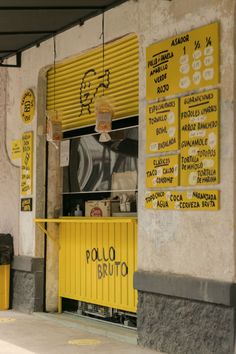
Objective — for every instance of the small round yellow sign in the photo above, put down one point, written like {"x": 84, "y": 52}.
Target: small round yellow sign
{"x": 27, "y": 106}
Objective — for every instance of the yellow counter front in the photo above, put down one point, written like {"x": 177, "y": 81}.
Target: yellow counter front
{"x": 97, "y": 260}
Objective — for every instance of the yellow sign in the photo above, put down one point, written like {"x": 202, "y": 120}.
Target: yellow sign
{"x": 27, "y": 106}
{"x": 162, "y": 120}
{"x": 15, "y": 149}
{"x": 200, "y": 139}
{"x": 183, "y": 200}
{"x": 183, "y": 63}
{"x": 162, "y": 171}
{"x": 26, "y": 204}
{"x": 27, "y": 163}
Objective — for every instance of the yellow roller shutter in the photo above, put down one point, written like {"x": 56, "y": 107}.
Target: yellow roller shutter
{"x": 78, "y": 81}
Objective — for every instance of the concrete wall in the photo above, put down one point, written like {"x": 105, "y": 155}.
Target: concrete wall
{"x": 34, "y": 64}
{"x": 188, "y": 255}
{"x": 200, "y": 244}
{"x": 19, "y": 80}
{"x": 206, "y": 237}
{"x": 191, "y": 243}
{"x": 9, "y": 173}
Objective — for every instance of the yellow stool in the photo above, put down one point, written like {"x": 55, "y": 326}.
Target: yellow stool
{"x": 4, "y": 286}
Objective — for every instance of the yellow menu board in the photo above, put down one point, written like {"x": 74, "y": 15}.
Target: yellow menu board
{"x": 27, "y": 163}
{"x": 199, "y": 115}
{"x": 162, "y": 126}
{"x": 162, "y": 171}
{"x": 183, "y": 200}
{"x": 183, "y": 63}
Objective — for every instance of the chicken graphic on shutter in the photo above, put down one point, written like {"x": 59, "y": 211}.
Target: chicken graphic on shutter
{"x": 88, "y": 92}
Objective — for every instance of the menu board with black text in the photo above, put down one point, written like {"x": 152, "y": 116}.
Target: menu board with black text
{"x": 162, "y": 171}
{"x": 183, "y": 200}
{"x": 199, "y": 131}
{"x": 162, "y": 122}
{"x": 186, "y": 62}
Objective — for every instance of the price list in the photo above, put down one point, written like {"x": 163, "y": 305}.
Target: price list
{"x": 183, "y": 63}
{"x": 199, "y": 125}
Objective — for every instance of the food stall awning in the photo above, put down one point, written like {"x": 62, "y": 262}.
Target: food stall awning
{"x": 26, "y": 23}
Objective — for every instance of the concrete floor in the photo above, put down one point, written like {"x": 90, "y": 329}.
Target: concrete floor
{"x": 63, "y": 334}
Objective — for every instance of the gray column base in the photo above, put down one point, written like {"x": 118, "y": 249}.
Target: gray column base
{"x": 184, "y": 315}
{"x": 27, "y": 284}
{"x": 181, "y": 326}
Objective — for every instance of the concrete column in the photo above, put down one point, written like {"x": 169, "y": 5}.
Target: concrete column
{"x": 54, "y": 207}
{"x": 186, "y": 275}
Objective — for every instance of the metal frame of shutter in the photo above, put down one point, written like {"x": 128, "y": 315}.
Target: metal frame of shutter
{"x": 78, "y": 81}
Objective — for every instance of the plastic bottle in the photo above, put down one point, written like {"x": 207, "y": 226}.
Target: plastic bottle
{"x": 78, "y": 212}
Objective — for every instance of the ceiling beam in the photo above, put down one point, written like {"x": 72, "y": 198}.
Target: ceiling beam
{"x": 38, "y": 8}
{"x": 94, "y": 11}
{"x": 16, "y": 65}
{"x": 15, "y": 33}
{"x": 8, "y": 51}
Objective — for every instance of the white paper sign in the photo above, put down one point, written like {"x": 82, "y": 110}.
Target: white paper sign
{"x": 65, "y": 153}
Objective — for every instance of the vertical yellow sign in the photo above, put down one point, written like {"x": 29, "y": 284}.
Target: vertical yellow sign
{"x": 199, "y": 114}
{"x": 186, "y": 62}
{"x": 27, "y": 163}
{"x": 162, "y": 126}
{"x": 162, "y": 171}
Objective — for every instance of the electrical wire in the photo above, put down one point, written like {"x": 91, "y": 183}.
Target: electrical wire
{"x": 103, "y": 51}
{"x": 54, "y": 71}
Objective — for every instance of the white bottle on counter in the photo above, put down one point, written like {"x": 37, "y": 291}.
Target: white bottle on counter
{"x": 78, "y": 212}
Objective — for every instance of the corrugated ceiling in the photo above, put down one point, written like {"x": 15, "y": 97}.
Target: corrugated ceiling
{"x": 25, "y": 23}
